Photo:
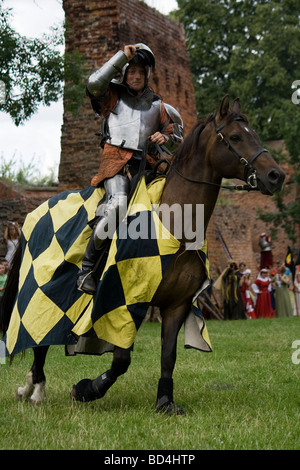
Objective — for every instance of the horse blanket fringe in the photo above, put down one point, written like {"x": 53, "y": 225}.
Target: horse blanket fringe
{"x": 50, "y": 310}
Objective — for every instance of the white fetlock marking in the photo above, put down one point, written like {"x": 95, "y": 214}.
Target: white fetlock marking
{"x": 39, "y": 393}
{"x": 24, "y": 392}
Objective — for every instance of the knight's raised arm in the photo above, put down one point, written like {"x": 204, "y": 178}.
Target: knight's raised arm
{"x": 99, "y": 80}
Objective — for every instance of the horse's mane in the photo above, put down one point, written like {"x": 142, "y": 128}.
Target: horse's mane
{"x": 191, "y": 143}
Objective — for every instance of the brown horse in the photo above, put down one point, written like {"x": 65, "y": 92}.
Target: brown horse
{"x": 223, "y": 146}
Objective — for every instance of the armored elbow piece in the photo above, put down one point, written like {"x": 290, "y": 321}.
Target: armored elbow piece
{"x": 177, "y": 135}
{"x": 98, "y": 82}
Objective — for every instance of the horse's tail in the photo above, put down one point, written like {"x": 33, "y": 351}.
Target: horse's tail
{"x": 10, "y": 291}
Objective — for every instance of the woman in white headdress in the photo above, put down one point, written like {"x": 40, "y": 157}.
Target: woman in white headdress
{"x": 246, "y": 295}
{"x": 263, "y": 306}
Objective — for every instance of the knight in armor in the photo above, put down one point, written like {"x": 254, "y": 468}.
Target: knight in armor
{"x": 131, "y": 113}
{"x": 266, "y": 255}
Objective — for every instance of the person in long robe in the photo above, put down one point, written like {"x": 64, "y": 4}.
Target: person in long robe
{"x": 246, "y": 294}
{"x": 232, "y": 299}
{"x": 283, "y": 300}
{"x": 263, "y": 307}
{"x": 297, "y": 295}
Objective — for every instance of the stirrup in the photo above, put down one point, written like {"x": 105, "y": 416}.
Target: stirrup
{"x": 87, "y": 283}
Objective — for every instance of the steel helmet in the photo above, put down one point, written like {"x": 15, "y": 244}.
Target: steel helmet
{"x": 143, "y": 56}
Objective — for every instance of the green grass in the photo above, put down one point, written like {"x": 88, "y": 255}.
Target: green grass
{"x": 244, "y": 395}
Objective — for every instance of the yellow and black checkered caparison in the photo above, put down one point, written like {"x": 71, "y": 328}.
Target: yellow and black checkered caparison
{"x": 50, "y": 310}
{"x": 48, "y": 303}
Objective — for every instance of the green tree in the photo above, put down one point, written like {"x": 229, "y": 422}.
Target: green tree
{"x": 33, "y": 71}
{"x": 25, "y": 174}
{"x": 250, "y": 49}
{"x": 246, "y": 48}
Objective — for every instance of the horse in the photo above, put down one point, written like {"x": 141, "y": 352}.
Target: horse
{"x": 223, "y": 145}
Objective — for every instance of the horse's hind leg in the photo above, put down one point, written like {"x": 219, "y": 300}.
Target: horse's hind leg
{"x": 34, "y": 389}
{"x": 89, "y": 390}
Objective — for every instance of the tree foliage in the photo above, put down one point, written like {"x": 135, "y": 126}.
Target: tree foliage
{"x": 31, "y": 69}
{"x": 250, "y": 49}
{"x": 246, "y": 48}
{"x": 34, "y": 71}
{"x": 25, "y": 174}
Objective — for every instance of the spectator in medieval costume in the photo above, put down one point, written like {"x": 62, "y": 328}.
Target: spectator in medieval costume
{"x": 245, "y": 284}
{"x": 3, "y": 278}
{"x": 297, "y": 295}
{"x": 11, "y": 237}
{"x": 242, "y": 268}
{"x": 283, "y": 300}
{"x": 275, "y": 268}
{"x": 5, "y": 263}
{"x": 131, "y": 113}
{"x": 232, "y": 299}
{"x": 262, "y": 287}
{"x": 266, "y": 255}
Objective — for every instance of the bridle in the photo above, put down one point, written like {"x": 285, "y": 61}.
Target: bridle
{"x": 249, "y": 171}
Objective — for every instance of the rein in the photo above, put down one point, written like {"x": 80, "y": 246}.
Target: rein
{"x": 249, "y": 169}
{"x": 237, "y": 187}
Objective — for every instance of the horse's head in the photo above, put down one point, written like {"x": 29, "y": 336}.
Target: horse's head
{"x": 237, "y": 152}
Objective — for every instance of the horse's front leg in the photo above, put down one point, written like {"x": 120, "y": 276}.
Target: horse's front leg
{"x": 34, "y": 389}
{"x": 89, "y": 390}
{"x": 172, "y": 320}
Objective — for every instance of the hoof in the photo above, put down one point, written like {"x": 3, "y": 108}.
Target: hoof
{"x": 170, "y": 408}
{"x": 35, "y": 394}
{"x": 24, "y": 393}
{"x": 39, "y": 394}
{"x": 78, "y": 392}
{"x": 73, "y": 393}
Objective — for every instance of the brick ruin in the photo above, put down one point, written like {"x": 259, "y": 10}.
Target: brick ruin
{"x": 98, "y": 29}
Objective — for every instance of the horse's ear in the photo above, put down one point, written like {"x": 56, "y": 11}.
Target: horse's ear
{"x": 236, "y": 107}
{"x": 224, "y": 107}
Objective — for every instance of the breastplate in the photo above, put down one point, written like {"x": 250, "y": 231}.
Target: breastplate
{"x": 129, "y": 127}
{"x": 264, "y": 244}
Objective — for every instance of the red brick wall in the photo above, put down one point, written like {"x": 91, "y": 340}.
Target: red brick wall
{"x": 16, "y": 202}
{"x": 98, "y": 29}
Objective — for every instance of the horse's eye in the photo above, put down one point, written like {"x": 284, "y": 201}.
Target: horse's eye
{"x": 235, "y": 138}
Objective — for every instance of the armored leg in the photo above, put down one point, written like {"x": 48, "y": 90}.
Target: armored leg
{"x": 110, "y": 212}
{"x": 85, "y": 279}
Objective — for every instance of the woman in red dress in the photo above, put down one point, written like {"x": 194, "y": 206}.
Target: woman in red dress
{"x": 246, "y": 295}
{"x": 263, "y": 307}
